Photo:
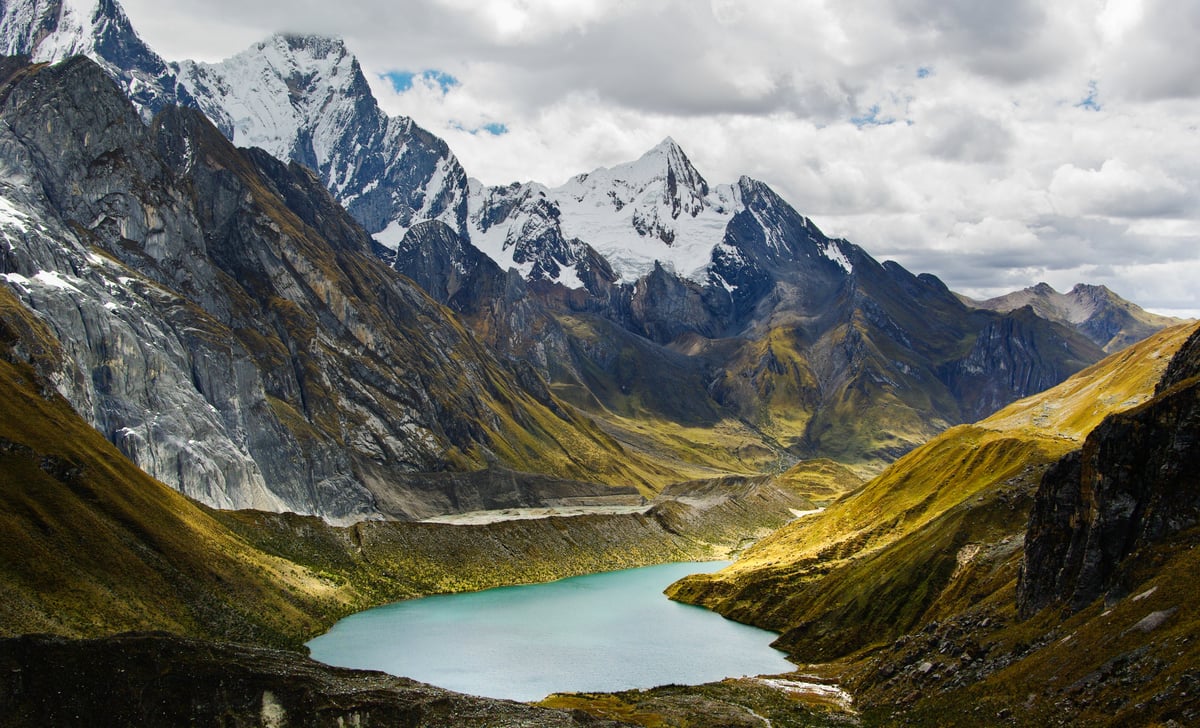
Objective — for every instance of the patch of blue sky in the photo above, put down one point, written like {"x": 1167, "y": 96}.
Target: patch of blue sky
{"x": 924, "y": 72}
{"x": 1090, "y": 102}
{"x": 494, "y": 128}
{"x": 403, "y": 80}
{"x": 871, "y": 118}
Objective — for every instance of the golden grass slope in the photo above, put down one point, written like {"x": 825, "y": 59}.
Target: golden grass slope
{"x": 90, "y": 545}
{"x": 871, "y": 565}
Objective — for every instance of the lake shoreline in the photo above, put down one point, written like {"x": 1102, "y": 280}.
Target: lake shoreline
{"x": 598, "y": 632}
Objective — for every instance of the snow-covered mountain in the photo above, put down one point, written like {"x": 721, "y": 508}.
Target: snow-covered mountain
{"x": 54, "y": 30}
{"x": 656, "y": 210}
{"x": 301, "y": 98}
{"x": 305, "y": 99}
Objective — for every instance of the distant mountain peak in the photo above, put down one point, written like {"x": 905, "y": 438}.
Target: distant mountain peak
{"x": 53, "y": 30}
{"x": 1093, "y": 309}
{"x": 655, "y": 210}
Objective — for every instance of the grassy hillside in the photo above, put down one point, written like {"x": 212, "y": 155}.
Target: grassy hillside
{"x": 91, "y": 545}
{"x": 881, "y": 561}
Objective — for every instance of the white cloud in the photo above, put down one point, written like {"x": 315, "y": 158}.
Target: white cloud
{"x": 991, "y": 173}
{"x": 1118, "y": 190}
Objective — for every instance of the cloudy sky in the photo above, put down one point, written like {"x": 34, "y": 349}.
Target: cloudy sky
{"x": 994, "y": 144}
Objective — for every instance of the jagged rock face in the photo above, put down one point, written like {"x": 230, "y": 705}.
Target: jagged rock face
{"x": 1135, "y": 482}
{"x": 138, "y": 355}
{"x": 1012, "y": 357}
{"x": 231, "y": 330}
{"x": 160, "y": 679}
{"x": 304, "y": 99}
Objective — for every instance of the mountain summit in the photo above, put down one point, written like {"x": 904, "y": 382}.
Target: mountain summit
{"x": 305, "y": 99}
{"x": 1101, "y": 315}
{"x": 49, "y": 31}
{"x": 655, "y": 211}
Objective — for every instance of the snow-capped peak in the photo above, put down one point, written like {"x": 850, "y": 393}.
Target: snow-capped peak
{"x": 54, "y": 30}
{"x": 268, "y": 94}
{"x": 49, "y": 30}
{"x": 304, "y": 98}
{"x": 656, "y": 209}
{"x": 664, "y": 173}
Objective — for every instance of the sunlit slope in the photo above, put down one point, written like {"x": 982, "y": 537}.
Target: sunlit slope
{"x": 869, "y": 566}
{"x": 90, "y": 545}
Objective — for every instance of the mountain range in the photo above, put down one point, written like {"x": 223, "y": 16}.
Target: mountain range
{"x": 251, "y": 327}
{"x": 683, "y": 329}
{"x": 1099, "y": 314}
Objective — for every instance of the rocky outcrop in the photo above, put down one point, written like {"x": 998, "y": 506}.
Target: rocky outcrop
{"x": 1012, "y": 357}
{"x": 1135, "y": 482}
{"x": 157, "y": 679}
{"x": 227, "y": 324}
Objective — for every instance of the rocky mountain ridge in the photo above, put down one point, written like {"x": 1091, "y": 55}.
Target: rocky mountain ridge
{"x": 225, "y": 323}
{"x": 1101, "y": 315}
{"x": 796, "y": 344}
{"x": 1133, "y": 484}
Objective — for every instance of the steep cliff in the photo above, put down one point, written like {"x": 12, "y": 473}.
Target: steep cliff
{"x": 1135, "y": 483}
{"x": 227, "y": 326}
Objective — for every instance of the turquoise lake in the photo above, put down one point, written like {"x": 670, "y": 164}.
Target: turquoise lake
{"x": 600, "y": 632}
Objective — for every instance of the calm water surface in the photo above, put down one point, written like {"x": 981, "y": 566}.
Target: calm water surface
{"x": 601, "y": 632}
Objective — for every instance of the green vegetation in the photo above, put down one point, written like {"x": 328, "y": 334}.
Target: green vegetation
{"x": 821, "y": 481}
{"x": 906, "y": 587}
{"x": 91, "y": 546}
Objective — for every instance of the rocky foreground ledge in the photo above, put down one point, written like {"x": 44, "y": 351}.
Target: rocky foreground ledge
{"x": 158, "y": 679}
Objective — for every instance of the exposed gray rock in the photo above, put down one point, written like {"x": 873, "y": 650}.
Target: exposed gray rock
{"x": 1099, "y": 314}
{"x": 226, "y": 322}
{"x": 1135, "y": 482}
